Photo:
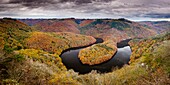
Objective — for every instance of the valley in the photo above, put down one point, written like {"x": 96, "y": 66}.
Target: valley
{"x": 84, "y": 51}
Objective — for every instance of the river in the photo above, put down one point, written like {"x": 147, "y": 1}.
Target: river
{"x": 71, "y": 61}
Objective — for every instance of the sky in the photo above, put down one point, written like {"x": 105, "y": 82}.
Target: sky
{"x": 137, "y": 10}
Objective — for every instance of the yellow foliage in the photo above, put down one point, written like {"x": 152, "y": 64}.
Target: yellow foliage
{"x": 43, "y": 57}
{"x": 57, "y": 42}
{"x": 97, "y": 53}
{"x": 65, "y": 78}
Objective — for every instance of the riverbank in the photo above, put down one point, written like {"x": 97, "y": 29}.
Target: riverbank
{"x": 71, "y": 61}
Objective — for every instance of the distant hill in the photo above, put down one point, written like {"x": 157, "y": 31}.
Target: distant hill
{"x": 29, "y": 51}
{"x": 158, "y": 26}
{"x": 115, "y": 29}
{"x": 108, "y": 29}
{"x": 53, "y": 25}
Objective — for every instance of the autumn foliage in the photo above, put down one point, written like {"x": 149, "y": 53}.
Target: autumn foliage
{"x": 107, "y": 29}
{"x": 57, "y": 42}
{"x": 51, "y": 60}
{"x": 28, "y": 56}
{"x": 51, "y": 25}
{"x": 145, "y": 47}
{"x": 32, "y": 57}
{"x": 97, "y": 53}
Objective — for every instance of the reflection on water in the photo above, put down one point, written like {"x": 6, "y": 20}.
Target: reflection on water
{"x": 71, "y": 61}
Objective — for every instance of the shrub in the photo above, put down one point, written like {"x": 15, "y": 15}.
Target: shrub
{"x": 18, "y": 57}
{"x": 162, "y": 56}
{"x": 8, "y": 49}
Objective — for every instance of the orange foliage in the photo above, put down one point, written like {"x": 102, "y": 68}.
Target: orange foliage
{"x": 57, "y": 42}
{"x": 43, "y": 41}
{"x": 57, "y": 26}
{"x": 85, "y": 22}
{"x": 97, "y": 53}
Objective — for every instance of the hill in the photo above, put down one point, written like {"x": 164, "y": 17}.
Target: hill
{"x": 53, "y": 25}
{"x": 108, "y": 29}
{"x": 158, "y": 26}
{"x": 30, "y": 55}
{"x": 115, "y": 29}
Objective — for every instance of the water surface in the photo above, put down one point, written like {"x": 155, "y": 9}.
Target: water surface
{"x": 71, "y": 61}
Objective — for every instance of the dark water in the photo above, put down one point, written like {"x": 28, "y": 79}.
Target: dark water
{"x": 123, "y": 43}
{"x": 98, "y": 40}
{"x": 71, "y": 61}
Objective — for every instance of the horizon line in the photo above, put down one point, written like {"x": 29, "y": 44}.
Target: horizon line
{"x": 139, "y": 20}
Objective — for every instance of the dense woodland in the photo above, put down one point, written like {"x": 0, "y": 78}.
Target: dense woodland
{"x": 29, "y": 52}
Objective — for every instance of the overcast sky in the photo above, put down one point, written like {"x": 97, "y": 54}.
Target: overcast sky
{"x": 130, "y": 9}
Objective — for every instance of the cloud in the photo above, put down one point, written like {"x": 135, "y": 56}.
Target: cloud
{"x": 158, "y": 15}
{"x": 32, "y": 1}
{"x": 86, "y": 8}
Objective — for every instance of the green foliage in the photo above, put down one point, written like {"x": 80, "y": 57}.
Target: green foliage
{"x": 11, "y": 47}
{"x": 119, "y": 25}
{"x": 18, "y": 57}
{"x": 8, "y": 49}
{"x": 98, "y": 21}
